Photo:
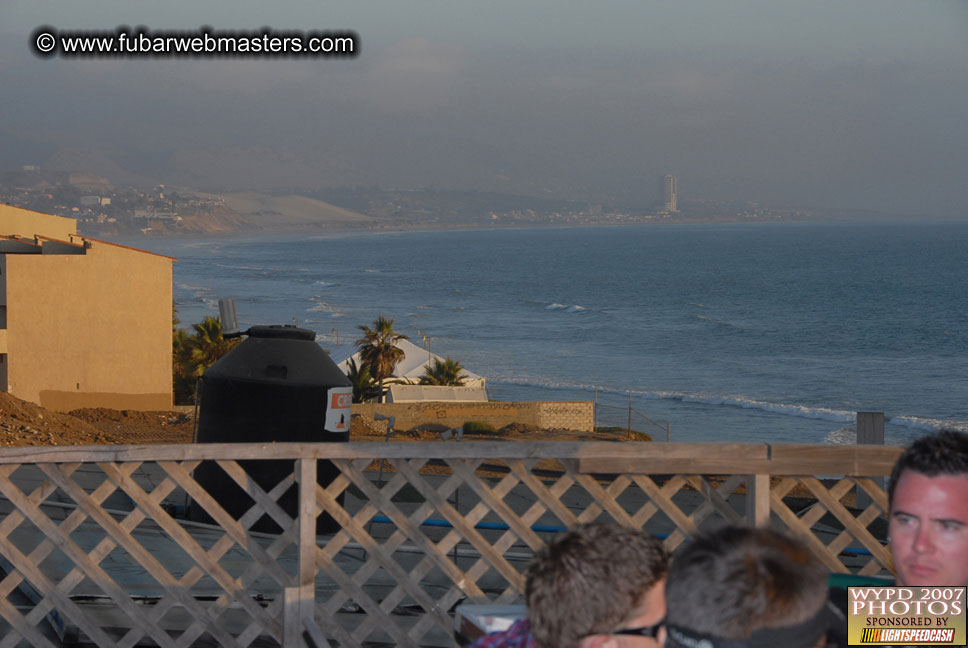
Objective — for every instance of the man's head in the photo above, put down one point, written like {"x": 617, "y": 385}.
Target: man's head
{"x": 928, "y": 495}
{"x": 742, "y": 586}
{"x": 593, "y": 580}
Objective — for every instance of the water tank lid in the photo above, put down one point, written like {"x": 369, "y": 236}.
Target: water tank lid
{"x": 285, "y": 331}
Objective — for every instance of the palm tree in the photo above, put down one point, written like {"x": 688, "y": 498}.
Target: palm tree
{"x": 183, "y": 382}
{"x": 208, "y": 345}
{"x": 193, "y": 353}
{"x": 364, "y": 387}
{"x": 378, "y": 350}
{"x": 447, "y": 373}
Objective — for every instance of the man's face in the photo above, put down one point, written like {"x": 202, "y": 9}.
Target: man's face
{"x": 929, "y": 529}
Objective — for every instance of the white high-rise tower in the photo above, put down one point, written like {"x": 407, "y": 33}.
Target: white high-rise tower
{"x": 670, "y": 195}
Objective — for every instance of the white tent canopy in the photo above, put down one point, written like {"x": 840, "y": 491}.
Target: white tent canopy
{"x": 412, "y": 367}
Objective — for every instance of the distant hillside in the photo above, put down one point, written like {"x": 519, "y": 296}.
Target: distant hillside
{"x": 287, "y": 212}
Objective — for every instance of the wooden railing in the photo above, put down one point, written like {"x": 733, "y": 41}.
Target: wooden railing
{"x": 94, "y": 540}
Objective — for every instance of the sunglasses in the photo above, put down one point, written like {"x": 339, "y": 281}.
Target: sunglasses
{"x": 643, "y": 631}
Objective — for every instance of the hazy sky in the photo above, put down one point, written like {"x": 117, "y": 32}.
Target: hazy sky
{"x": 839, "y": 103}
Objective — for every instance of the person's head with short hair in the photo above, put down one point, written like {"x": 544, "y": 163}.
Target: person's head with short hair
{"x": 743, "y": 586}
{"x": 928, "y": 496}
{"x": 594, "y": 582}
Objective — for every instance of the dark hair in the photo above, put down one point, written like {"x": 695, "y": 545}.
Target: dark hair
{"x": 944, "y": 453}
{"x": 737, "y": 580}
{"x": 589, "y": 580}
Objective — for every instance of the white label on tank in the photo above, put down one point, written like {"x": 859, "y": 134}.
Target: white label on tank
{"x": 338, "y": 409}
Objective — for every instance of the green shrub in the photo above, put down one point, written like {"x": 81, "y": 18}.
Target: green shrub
{"x": 634, "y": 436}
{"x": 479, "y": 427}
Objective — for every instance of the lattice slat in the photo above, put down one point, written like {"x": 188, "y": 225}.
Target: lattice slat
{"x": 73, "y": 521}
{"x": 846, "y": 518}
{"x": 409, "y": 528}
{"x": 36, "y": 576}
{"x": 460, "y": 524}
{"x": 211, "y": 567}
{"x": 875, "y": 491}
{"x": 376, "y": 552}
{"x": 345, "y": 582}
{"x": 249, "y": 576}
{"x": 803, "y": 531}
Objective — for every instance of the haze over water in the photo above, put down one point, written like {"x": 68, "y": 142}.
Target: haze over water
{"x": 810, "y": 104}
{"x": 729, "y": 332}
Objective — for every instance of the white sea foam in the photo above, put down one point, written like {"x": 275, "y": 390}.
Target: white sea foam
{"x": 324, "y": 307}
{"x": 842, "y": 436}
{"x": 929, "y": 424}
{"x": 717, "y": 400}
{"x": 575, "y": 308}
{"x": 800, "y": 411}
{"x": 200, "y": 294}
{"x": 193, "y": 288}
{"x": 372, "y": 270}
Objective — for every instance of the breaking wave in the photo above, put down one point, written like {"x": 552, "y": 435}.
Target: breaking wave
{"x": 783, "y": 409}
{"x": 199, "y": 294}
{"x": 786, "y": 409}
{"x": 842, "y": 436}
{"x": 565, "y": 308}
{"x": 928, "y": 424}
{"x": 321, "y": 306}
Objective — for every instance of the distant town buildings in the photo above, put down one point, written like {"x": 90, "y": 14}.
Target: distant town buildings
{"x": 670, "y": 197}
{"x": 104, "y": 211}
{"x": 83, "y": 322}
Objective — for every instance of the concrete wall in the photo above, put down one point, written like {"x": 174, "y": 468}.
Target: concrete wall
{"x": 90, "y": 330}
{"x": 572, "y": 415}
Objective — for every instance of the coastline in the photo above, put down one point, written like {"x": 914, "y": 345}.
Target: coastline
{"x": 377, "y": 226}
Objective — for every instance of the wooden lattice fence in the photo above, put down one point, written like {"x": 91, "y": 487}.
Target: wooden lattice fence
{"x": 94, "y": 541}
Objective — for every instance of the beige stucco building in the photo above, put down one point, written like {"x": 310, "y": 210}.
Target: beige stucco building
{"x": 83, "y": 322}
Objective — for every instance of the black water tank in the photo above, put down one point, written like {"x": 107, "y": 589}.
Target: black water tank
{"x": 277, "y": 385}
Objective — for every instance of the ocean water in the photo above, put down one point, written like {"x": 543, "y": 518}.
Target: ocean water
{"x": 734, "y": 332}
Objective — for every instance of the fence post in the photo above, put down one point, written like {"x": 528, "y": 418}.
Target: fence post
{"x": 870, "y": 431}
{"x": 629, "y": 432}
{"x": 758, "y": 499}
{"x": 300, "y": 601}
{"x": 595, "y": 414}
{"x": 870, "y": 428}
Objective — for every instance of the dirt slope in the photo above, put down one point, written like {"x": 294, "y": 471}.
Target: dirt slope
{"x": 27, "y": 424}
